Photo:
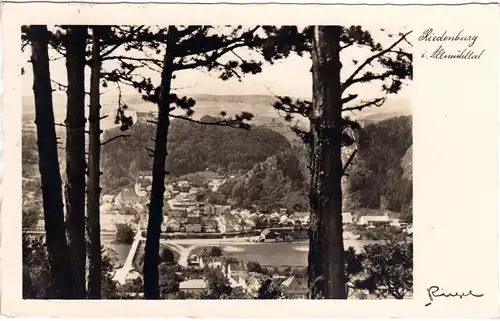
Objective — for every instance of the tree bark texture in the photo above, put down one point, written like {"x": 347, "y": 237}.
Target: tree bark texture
{"x": 75, "y": 154}
{"x": 152, "y": 248}
{"x": 326, "y": 245}
{"x": 53, "y": 207}
{"x": 94, "y": 169}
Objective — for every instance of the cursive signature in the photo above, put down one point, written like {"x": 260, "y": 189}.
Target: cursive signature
{"x": 436, "y": 292}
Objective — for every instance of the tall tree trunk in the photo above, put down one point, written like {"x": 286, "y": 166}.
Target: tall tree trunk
{"x": 326, "y": 245}
{"x": 75, "y": 154}
{"x": 53, "y": 209}
{"x": 152, "y": 249}
{"x": 93, "y": 188}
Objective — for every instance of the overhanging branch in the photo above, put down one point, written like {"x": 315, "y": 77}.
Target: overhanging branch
{"x": 349, "y": 161}
{"x": 229, "y": 123}
{"x": 349, "y": 80}
{"x": 375, "y": 102}
{"x": 114, "y": 138}
{"x": 349, "y": 98}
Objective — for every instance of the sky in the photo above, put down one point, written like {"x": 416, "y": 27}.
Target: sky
{"x": 290, "y": 76}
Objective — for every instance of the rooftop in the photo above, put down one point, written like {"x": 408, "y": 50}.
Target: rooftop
{"x": 193, "y": 284}
{"x": 379, "y": 218}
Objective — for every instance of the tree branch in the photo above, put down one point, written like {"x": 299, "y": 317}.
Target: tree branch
{"x": 349, "y": 98}
{"x": 349, "y": 80}
{"x": 229, "y": 123}
{"x": 210, "y": 59}
{"x": 376, "y": 102}
{"x": 156, "y": 61}
{"x": 349, "y": 161}
{"x": 123, "y": 41}
{"x": 206, "y": 47}
{"x": 116, "y": 137}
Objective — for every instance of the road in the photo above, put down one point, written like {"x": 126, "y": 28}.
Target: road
{"x": 121, "y": 273}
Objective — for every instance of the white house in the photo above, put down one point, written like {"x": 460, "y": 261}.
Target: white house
{"x": 193, "y": 285}
{"x": 107, "y": 198}
{"x": 374, "y": 220}
{"x": 237, "y": 281}
{"x": 40, "y": 225}
{"x": 347, "y": 218}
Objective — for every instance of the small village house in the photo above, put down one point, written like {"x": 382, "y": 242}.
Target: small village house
{"x": 172, "y": 225}
{"x": 40, "y": 225}
{"x": 126, "y": 197}
{"x": 253, "y": 284}
{"x": 214, "y": 184}
{"x": 207, "y": 260}
{"x": 183, "y": 186}
{"x": 143, "y": 221}
{"x": 210, "y": 226}
{"x": 347, "y": 218}
{"x": 235, "y": 269}
{"x": 395, "y": 222}
{"x": 193, "y": 286}
{"x": 237, "y": 282}
{"x": 191, "y": 212}
{"x": 295, "y": 288}
{"x": 193, "y": 225}
{"x": 107, "y": 222}
{"x": 375, "y": 220}
{"x": 107, "y": 198}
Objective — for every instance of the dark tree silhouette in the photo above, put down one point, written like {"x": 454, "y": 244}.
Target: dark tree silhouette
{"x": 167, "y": 256}
{"x": 94, "y": 171}
{"x": 184, "y": 48}
{"x": 329, "y": 132}
{"x": 326, "y": 244}
{"x": 389, "y": 269}
{"x": 75, "y": 154}
{"x": 53, "y": 210}
{"x": 60, "y": 39}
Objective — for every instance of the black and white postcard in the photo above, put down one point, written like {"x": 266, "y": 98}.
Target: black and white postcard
{"x": 204, "y": 157}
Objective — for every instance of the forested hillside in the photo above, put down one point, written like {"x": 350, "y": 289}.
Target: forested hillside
{"x": 192, "y": 147}
{"x": 379, "y": 177}
{"x": 270, "y": 173}
{"x": 279, "y": 182}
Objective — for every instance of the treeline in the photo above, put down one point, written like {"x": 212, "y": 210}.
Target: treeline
{"x": 220, "y": 149}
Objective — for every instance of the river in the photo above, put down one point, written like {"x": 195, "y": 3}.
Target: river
{"x": 278, "y": 254}
{"x": 267, "y": 254}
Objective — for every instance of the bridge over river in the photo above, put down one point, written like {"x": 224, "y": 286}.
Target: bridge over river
{"x": 183, "y": 247}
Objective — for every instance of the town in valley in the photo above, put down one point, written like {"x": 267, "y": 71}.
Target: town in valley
{"x": 241, "y": 199}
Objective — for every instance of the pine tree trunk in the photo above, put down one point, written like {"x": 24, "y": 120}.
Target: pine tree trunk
{"x": 53, "y": 209}
{"x": 152, "y": 248}
{"x": 93, "y": 188}
{"x": 75, "y": 154}
{"x": 326, "y": 245}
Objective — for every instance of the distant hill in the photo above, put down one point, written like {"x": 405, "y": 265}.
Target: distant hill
{"x": 206, "y": 104}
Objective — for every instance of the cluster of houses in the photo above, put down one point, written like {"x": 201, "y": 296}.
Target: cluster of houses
{"x": 183, "y": 213}
{"x": 239, "y": 277}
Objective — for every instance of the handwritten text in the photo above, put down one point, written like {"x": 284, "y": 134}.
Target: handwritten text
{"x": 436, "y": 292}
